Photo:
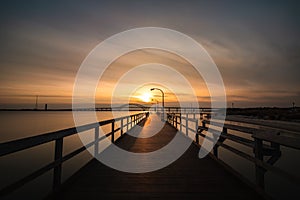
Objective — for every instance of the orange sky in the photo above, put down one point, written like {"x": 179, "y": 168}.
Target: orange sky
{"x": 254, "y": 45}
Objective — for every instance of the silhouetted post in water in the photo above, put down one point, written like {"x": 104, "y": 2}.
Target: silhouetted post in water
{"x": 46, "y": 107}
{"x": 293, "y": 105}
{"x": 36, "y": 102}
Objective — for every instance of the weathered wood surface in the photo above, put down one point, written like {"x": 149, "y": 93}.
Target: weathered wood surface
{"x": 187, "y": 178}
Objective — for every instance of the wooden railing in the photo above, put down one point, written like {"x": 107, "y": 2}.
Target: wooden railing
{"x": 263, "y": 143}
{"x": 126, "y": 123}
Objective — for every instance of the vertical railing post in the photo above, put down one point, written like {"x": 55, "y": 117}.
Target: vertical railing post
{"x": 57, "y": 169}
{"x": 96, "y": 140}
{"x": 173, "y": 120}
{"x": 113, "y": 132}
{"x": 259, "y": 171}
{"x": 224, "y": 130}
{"x": 215, "y": 149}
{"x": 203, "y": 125}
{"x": 196, "y": 131}
{"x": 127, "y": 124}
{"x": 180, "y": 123}
{"x": 176, "y": 122}
{"x": 187, "y": 125}
{"x": 121, "y": 128}
{"x": 133, "y": 120}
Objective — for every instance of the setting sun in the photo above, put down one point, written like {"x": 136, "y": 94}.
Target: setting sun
{"x": 146, "y": 97}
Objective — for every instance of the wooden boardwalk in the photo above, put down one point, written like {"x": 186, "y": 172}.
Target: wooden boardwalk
{"x": 187, "y": 178}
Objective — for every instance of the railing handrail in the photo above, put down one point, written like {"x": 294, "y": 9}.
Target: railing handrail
{"x": 259, "y": 148}
{"x": 28, "y": 142}
{"x": 58, "y": 136}
{"x": 267, "y": 135}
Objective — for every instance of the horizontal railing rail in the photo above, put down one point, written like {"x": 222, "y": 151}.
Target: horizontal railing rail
{"x": 258, "y": 144}
{"x": 10, "y": 147}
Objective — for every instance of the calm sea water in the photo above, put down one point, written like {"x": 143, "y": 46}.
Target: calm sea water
{"x": 16, "y": 124}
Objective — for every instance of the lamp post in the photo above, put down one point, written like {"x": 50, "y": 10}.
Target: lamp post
{"x": 163, "y": 100}
{"x": 156, "y": 105}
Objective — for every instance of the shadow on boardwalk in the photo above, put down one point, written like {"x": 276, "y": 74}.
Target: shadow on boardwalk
{"x": 187, "y": 178}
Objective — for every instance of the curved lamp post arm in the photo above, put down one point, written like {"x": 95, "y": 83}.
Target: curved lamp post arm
{"x": 162, "y": 97}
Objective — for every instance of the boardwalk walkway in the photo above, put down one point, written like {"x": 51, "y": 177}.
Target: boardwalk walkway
{"x": 187, "y": 178}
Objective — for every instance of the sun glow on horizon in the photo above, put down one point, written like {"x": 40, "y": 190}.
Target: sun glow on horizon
{"x": 146, "y": 97}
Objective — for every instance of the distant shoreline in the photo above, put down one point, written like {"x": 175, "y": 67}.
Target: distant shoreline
{"x": 25, "y": 109}
{"x": 267, "y": 113}
{"x": 70, "y": 110}
{"x": 249, "y": 109}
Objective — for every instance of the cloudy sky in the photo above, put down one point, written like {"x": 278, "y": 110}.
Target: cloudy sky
{"x": 255, "y": 45}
